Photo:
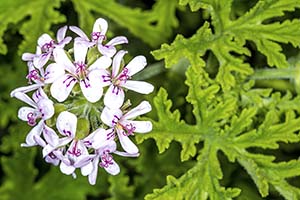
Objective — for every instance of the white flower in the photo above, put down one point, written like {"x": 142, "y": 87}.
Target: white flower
{"x": 41, "y": 108}
{"x": 98, "y": 36}
{"x": 78, "y": 72}
{"x": 124, "y": 125}
{"x": 114, "y": 96}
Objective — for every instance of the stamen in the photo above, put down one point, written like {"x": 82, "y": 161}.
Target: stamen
{"x": 96, "y": 36}
{"x": 33, "y": 75}
{"x": 128, "y": 129}
{"x": 48, "y": 47}
{"x": 106, "y": 159}
{"x": 75, "y": 151}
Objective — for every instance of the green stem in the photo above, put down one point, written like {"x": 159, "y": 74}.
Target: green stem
{"x": 263, "y": 74}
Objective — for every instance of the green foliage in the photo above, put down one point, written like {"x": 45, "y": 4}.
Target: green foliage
{"x": 225, "y": 114}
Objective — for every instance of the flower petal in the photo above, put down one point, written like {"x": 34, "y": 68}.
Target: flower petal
{"x": 142, "y": 108}
{"x": 35, "y": 131}
{"x": 66, "y": 124}
{"x": 117, "y": 62}
{"x": 62, "y": 87}
{"x": 117, "y": 40}
{"x": 38, "y": 95}
{"x": 101, "y": 26}
{"x": 24, "y": 111}
{"x": 80, "y": 51}
{"x": 66, "y": 169}
{"x": 79, "y": 32}
{"x": 96, "y": 139}
{"x": 101, "y": 63}
{"x": 107, "y": 50}
{"x": 61, "y": 33}
{"x": 109, "y": 115}
{"x": 50, "y": 136}
{"x": 113, "y": 168}
{"x": 114, "y": 97}
{"x": 25, "y": 89}
{"x": 87, "y": 169}
{"x": 25, "y": 98}
{"x": 43, "y": 39}
{"x": 46, "y": 108}
{"x": 93, "y": 175}
{"x": 139, "y": 86}
{"x": 63, "y": 60}
{"x": 136, "y": 64}
{"x": 40, "y": 60}
{"x": 92, "y": 88}
{"x": 141, "y": 126}
{"x": 126, "y": 143}
{"x": 53, "y": 72}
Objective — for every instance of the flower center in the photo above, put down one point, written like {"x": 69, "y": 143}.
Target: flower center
{"x": 120, "y": 80}
{"x": 33, "y": 75}
{"x": 75, "y": 151}
{"x": 127, "y": 129}
{"x": 106, "y": 159}
{"x": 96, "y": 36}
{"x": 48, "y": 47}
{"x": 33, "y": 116}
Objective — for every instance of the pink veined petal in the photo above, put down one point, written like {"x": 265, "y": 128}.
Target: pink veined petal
{"x": 61, "y": 33}
{"x": 114, "y": 97}
{"x": 93, "y": 175}
{"x": 46, "y": 108}
{"x": 24, "y": 111}
{"x": 43, "y": 39}
{"x": 108, "y": 115}
{"x": 104, "y": 76}
{"x": 62, "y": 87}
{"x": 53, "y": 72}
{"x": 66, "y": 124}
{"x": 126, "y": 143}
{"x": 66, "y": 169}
{"x": 92, "y": 88}
{"x": 35, "y": 131}
{"x": 40, "y": 60}
{"x": 139, "y": 86}
{"x": 142, "y": 108}
{"x": 113, "y": 168}
{"x": 117, "y": 40}
{"x": 62, "y": 59}
{"x": 117, "y": 62}
{"x": 136, "y": 64}
{"x": 50, "y": 136}
{"x": 16, "y": 92}
{"x": 106, "y": 50}
{"x": 101, "y": 63}
{"x": 79, "y": 32}
{"x": 141, "y": 126}
{"x": 80, "y": 51}
{"x": 101, "y": 26}
{"x": 39, "y": 94}
{"x": 25, "y": 98}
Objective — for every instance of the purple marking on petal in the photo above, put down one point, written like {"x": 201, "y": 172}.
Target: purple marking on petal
{"x": 96, "y": 36}
{"x": 106, "y": 78}
{"x": 89, "y": 143}
{"x": 33, "y": 75}
{"x": 115, "y": 120}
{"x": 31, "y": 119}
{"x": 70, "y": 81}
{"x": 51, "y": 155}
{"x": 110, "y": 135}
{"x": 116, "y": 89}
{"x": 67, "y": 132}
{"x": 106, "y": 159}
{"x": 75, "y": 151}
{"x": 86, "y": 84}
{"x": 48, "y": 47}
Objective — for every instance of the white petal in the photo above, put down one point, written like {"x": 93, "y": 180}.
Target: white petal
{"x": 80, "y": 51}
{"x": 113, "y": 168}
{"x": 136, "y": 64}
{"x": 50, "y": 136}
{"x": 35, "y": 131}
{"x": 87, "y": 169}
{"x": 61, "y": 33}
{"x": 79, "y": 32}
{"x": 117, "y": 62}
{"x": 66, "y": 169}
{"x": 139, "y": 86}
{"x": 25, "y": 98}
{"x": 114, "y": 97}
{"x": 107, "y": 50}
{"x": 109, "y": 115}
{"x": 25, "y": 89}
{"x": 28, "y": 56}
{"x": 142, "y": 108}
{"x": 96, "y": 138}
{"x": 63, "y": 60}
{"x": 66, "y": 124}
{"x": 100, "y": 25}
{"x": 43, "y": 39}
{"x": 126, "y": 143}
{"x": 141, "y": 126}
{"x": 101, "y": 63}
{"x": 62, "y": 87}
{"x": 24, "y": 111}
{"x": 53, "y": 72}
{"x": 46, "y": 108}
{"x": 92, "y": 88}
{"x": 39, "y": 94}
{"x": 93, "y": 175}
{"x": 125, "y": 154}
{"x": 40, "y": 60}
{"x": 117, "y": 40}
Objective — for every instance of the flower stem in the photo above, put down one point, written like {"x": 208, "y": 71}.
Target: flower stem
{"x": 263, "y": 74}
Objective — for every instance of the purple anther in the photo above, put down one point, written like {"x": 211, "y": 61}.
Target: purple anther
{"x": 33, "y": 75}
{"x": 48, "y": 47}
{"x": 106, "y": 159}
{"x": 96, "y": 35}
{"x": 75, "y": 151}
{"x": 31, "y": 119}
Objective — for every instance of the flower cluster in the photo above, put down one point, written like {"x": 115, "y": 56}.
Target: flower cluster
{"x": 71, "y": 122}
